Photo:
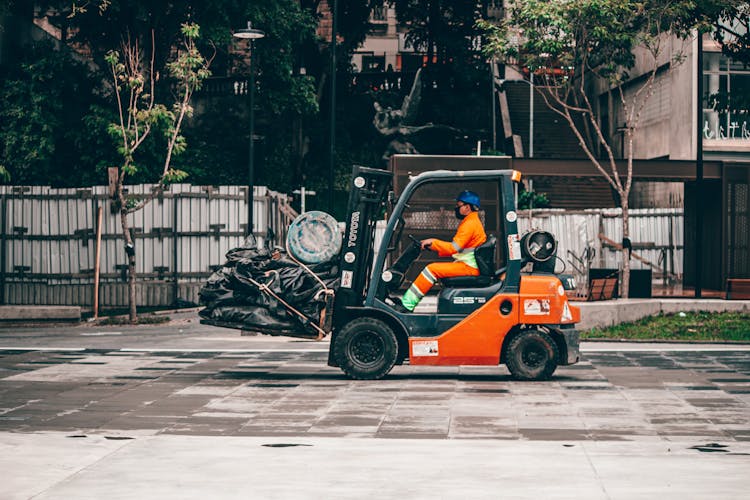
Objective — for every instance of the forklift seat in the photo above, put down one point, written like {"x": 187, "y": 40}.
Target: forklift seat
{"x": 485, "y": 255}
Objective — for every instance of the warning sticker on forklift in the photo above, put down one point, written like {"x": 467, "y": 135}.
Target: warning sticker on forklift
{"x": 424, "y": 348}
{"x": 514, "y": 247}
{"x": 346, "y": 279}
{"x": 536, "y": 307}
{"x": 566, "y": 314}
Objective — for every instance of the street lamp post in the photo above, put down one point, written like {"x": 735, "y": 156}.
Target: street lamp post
{"x": 251, "y": 34}
{"x": 699, "y": 172}
{"x": 332, "y": 131}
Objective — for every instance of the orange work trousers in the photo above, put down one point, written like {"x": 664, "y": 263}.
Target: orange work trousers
{"x": 429, "y": 275}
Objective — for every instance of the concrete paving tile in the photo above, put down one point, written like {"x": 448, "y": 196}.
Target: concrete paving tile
{"x": 342, "y": 430}
{"x": 219, "y": 414}
{"x": 551, "y": 434}
{"x": 207, "y": 390}
{"x": 201, "y": 430}
{"x": 408, "y": 434}
{"x": 134, "y": 422}
{"x": 351, "y": 421}
{"x": 262, "y": 430}
{"x": 238, "y": 405}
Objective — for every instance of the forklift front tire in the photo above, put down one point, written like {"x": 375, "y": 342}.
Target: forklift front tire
{"x": 366, "y": 349}
{"x": 532, "y": 355}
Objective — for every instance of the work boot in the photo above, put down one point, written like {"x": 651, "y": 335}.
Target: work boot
{"x": 395, "y": 303}
{"x": 398, "y": 306}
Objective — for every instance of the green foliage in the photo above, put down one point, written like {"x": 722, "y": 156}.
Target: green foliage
{"x": 729, "y": 23}
{"x": 4, "y": 174}
{"x": 703, "y": 326}
{"x": 140, "y": 114}
{"x": 291, "y": 106}
{"x": 532, "y": 199}
{"x": 589, "y": 35}
{"x": 443, "y": 28}
{"x": 48, "y": 102}
{"x": 175, "y": 175}
{"x": 568, "y": 44}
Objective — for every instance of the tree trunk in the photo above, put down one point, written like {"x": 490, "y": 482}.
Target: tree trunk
{"x": 624, "y": 203}
{"x": 130, "y": 252}
{"x": 300, "y": 147}
{"x": 625, "y": 250}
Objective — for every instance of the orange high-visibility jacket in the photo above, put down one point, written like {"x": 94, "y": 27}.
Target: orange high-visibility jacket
{"x": 469, "y": 235}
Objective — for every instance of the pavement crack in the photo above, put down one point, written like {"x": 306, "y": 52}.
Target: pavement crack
{"x": 80, "y": 470}
{"x": 596, "y": 472}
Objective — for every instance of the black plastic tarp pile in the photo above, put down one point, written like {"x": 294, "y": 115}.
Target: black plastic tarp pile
{"x": 231, "y": 299}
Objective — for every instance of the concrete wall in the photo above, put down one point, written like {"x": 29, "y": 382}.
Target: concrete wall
{"x": 613, "y": 312}
{"x": 682, "y": 119}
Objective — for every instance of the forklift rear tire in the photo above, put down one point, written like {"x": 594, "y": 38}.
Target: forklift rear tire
{"x": 532, "y": 355}
{"x": 366, "y": 349}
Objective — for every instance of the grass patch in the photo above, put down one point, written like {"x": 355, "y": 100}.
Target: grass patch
{"x": 704, "y": 326}
{"x": 142, "y": 320}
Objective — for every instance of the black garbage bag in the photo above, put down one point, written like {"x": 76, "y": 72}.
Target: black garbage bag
{"x": 232, "y": 298}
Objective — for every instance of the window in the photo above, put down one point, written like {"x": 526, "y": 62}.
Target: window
{"x": 723, "y": 79}
{"x": 373, "y": 63}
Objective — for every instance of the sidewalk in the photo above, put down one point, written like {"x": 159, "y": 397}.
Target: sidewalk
{"x": 287, "y": 383}
{"x": 593, "y": 314}
{"x": 51, "y": 466}
{"x": 613, "y": 312}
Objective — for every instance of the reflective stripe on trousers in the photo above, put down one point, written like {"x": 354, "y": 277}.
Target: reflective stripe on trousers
{"x": 429, "y": 276}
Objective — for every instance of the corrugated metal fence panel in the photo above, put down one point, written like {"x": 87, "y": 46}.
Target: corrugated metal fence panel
{"x": 577, "y": 235}
{"x": 50, "y": 241}
{"x": 651, "y": 227}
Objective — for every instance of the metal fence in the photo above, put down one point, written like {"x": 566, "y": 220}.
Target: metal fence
{"x": 48, "y": 241}
{"x": 586, "y": 237}
{"x": 657, "y": 236}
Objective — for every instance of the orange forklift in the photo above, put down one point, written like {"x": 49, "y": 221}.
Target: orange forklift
{"x": 503, "y": 316}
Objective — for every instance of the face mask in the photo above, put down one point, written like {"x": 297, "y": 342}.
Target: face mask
{"x": 459, "y": 215}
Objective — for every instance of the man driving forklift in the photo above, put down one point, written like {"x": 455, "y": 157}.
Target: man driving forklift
{"x": 469, "y": 235}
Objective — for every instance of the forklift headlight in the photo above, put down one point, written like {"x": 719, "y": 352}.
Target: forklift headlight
{"x": 516, "y": 176}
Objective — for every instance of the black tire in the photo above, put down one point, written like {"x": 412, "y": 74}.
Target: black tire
{"x": 366, "y": 349}
{"x": 532, "y": 355}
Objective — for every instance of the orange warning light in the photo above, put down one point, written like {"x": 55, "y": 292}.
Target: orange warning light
{"x": 516, "y": 176}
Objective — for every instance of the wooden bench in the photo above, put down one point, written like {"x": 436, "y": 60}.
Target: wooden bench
{"x": 738, "y": 289}
{"x": 602, "y": 289}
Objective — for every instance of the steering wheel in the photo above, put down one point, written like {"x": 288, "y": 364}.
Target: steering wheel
{"x": 414, "y": 240}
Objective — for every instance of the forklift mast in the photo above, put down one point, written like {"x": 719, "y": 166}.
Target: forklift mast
{"x": 367, "y": 198}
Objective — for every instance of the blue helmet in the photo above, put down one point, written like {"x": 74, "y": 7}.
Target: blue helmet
{"x": 469, "y": 197}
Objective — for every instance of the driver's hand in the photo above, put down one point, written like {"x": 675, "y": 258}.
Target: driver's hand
{"x": 427, "y": 243}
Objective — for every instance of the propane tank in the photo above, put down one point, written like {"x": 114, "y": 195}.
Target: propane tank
{"x": 540, "y": 248}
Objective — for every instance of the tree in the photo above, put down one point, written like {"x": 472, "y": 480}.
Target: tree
{"x": 288, "y": 99}
{"x": 45, "y": 95}
{"x": 572, "y": 44}
{"x": 730, "y": 21}
{"x": 134, "y": 87}
{"x": 444, "y": 29}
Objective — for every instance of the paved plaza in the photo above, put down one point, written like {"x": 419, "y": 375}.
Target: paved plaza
{"x": 621, "y": 395}
{"x": 188, "y": 411}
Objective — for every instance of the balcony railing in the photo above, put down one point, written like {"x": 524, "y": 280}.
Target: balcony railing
{"x": 219, "y": 86}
